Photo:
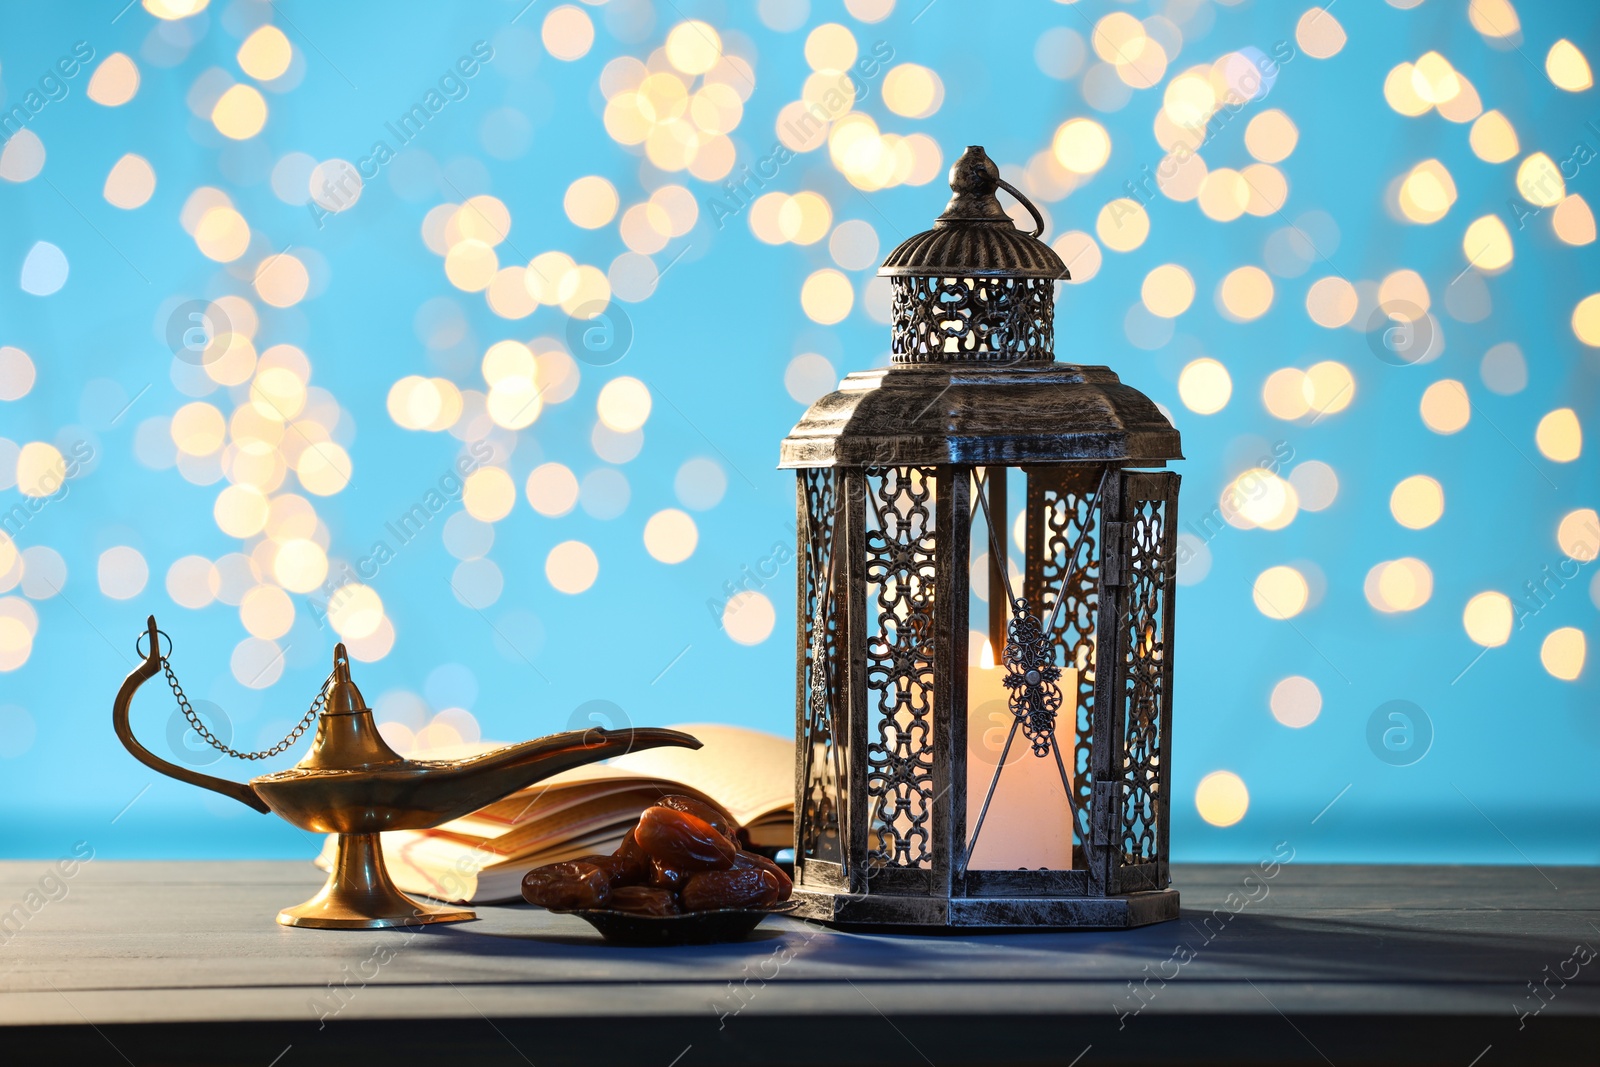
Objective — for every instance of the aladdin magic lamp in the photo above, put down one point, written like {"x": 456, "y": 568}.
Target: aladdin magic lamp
{"x": 354, "y": 785}
{"x": 982, "y": 742}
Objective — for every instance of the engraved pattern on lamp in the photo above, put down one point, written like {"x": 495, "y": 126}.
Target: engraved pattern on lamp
{"x": 1146, "y": 648}
{"x": 999, "y": 320}
{"x": 900, "y": 582}
{"x": 820, "y": 670}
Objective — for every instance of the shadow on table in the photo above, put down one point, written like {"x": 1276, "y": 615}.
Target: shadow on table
{"x": 1201, "y": 944}
{"x": 554, "y": 936}
{"x": 1353, "y": 949}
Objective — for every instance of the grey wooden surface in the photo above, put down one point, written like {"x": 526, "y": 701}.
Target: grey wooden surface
{"x": 181, "y": 962}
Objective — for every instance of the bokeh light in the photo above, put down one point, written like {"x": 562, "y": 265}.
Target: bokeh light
{"x": 671, "y": 535}
{"x": 130, "y": 183}
{"x": 1205, "y": 386}
{"x": 1488, "y": 618}
{"x": 1399, "y": 585}
{"x": 1221, "y": 798}
{"x": 1559, "y": 436}
{"x": 1281, "y": 592}
{"x": 1445, "y": 407}
{"x": 1296, "y": 701}
{"x": 240, "y": 113}
{"x": 1168, "y": 291}
{"x": 115, "y": 81}
{"x": 748, "y": 617}
{"x": 1417, "y": 502}
{"x": 1579, "y": 534}
{"x": 265, "y": 54}
{"x": 1563, "y": 653}
{"x": 554, "y": 301}
{"x": 122, "y": 572}
{"x": 572, "y": 567}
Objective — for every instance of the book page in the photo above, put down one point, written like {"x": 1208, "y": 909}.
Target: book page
{"x": 619, "y": 810}
{"x": 544, "y": 799}
{"x": 748, "y": 772}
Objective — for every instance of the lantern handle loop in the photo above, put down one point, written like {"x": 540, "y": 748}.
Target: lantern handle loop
{"x": 1038, "y": 219}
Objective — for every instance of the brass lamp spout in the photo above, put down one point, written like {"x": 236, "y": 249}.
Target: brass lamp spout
{"x": 352, "y": 783}
{"x": 408, "y": 794}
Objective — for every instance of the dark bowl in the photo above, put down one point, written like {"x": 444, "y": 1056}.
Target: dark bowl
{"x": 690, "y": 928}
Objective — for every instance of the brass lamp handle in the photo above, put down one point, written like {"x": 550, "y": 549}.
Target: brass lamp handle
{"x": 151, "y": 666}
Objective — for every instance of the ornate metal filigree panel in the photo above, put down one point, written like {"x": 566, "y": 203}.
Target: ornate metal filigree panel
{"x": 1062, "y": 512}
{"x": 900, "y": 578}
{"x": 1031, "y": 677}
{"x": 999, "y": 320}
{"x": 1145, "y": 646}
{"x": 822, "y": 741}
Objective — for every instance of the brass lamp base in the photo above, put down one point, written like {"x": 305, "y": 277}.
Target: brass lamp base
{"x": 360, "y": 896}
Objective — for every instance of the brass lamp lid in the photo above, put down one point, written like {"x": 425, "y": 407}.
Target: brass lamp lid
{"x": 347, "y": 735}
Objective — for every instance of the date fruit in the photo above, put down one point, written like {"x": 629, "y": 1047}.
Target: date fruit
{"x": 635, "y": 860}
{"x": 664, "y": 876}
{"x": 749, "y": 888}
{"x": 644, "y": 900}
{"x": 720, "y": 820}
{"x": 748, "y": 860}
{"x": 685, "y": 841}
{"x": 618, "y": 871}
{"x": 564, "y": 886}
{"x": 682, "y": 857}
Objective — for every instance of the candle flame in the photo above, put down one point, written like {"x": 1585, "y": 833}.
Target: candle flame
{"x": 986, "y": 657}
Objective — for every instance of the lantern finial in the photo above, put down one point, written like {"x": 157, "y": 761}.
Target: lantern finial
{"x": 974, "y": 179}
{"x": 974, "y": 288}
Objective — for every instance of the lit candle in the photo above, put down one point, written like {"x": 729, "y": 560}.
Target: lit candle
{"x": 1028, "y": 823}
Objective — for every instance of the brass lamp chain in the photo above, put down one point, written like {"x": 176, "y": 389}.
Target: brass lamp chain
{"x": 209, "y": 738}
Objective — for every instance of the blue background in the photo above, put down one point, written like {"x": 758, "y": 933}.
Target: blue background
{"x": 1509, "y": 776}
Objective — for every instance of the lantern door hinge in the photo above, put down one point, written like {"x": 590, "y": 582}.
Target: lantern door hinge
{"x": 1113, "y": 554}
{"x": 1106, "y": 811}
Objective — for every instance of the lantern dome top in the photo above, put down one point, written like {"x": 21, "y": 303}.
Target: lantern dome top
{"x": 974, "y": 236}
{"x": 972, "y": 377}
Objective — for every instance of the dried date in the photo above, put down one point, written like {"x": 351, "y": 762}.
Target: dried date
{"x": 635, "y": 860}
{"x": 618, "y": 871}
{"x": 685, "y": 841}
{"x": 666, "y": 876}
{"x": 748, "y": 888}
{"x": 749, "y": 860}
{"x": 564, "y": 886}
{"x": 720, "y": 820}
{"x": 644, "y": 900}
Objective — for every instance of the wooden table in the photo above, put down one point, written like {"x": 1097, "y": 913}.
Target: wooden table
{"x": 181, "y": 963}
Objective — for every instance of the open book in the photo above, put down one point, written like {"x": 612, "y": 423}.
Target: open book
{"x": 481, "y": 858}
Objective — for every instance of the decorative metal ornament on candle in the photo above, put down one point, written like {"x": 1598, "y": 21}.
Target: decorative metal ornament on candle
{"x": 911, "y": 810}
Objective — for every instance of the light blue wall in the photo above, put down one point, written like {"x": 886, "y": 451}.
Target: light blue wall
{"x": 1509, "y": 776}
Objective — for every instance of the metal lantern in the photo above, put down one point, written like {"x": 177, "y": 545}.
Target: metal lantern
{"x": 983, "y": 735}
